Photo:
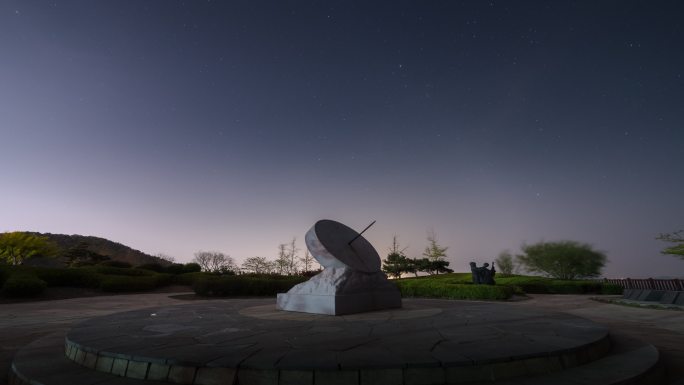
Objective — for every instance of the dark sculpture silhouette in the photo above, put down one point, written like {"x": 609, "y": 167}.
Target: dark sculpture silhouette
{"x": 483, "y": 275}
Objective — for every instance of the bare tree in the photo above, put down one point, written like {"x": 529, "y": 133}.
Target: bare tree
{"x": 282, "y": 261}
{"x": 257, "y": 265}
{"x": 203, "y": 258}
{"x": 270, "y": 267}
{"x": 165, "y": 257}
{"x": 308, "y": 261}
{"x": 292, "y": 260}
{"x": 214, "y": 261}
{"x": 287, "y": 262}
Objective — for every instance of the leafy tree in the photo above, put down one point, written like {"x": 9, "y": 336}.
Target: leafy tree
{"x": 431, "y": 267}
{"x": 395, "y": 248}
{"x": 257, "y": 265}
{"x": 80, "y": 255}
{"x": 16, "y": 246}
{"x": 396, "y": 264}
{"x": 563, "y": 259}
{"x": 675, "y": 237}
{"x": 434, "y": 251}
{"x": 505, "y": 262}
{"x": 435, "y": 257}
{"x": 440, "y": 267}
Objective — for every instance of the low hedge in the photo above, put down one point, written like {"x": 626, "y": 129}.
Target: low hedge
{"x": 236, "y": 285}
{"x": 609, "y": 288}
{"x": 109, "y": 270}
{"x": 542, "y": 285}
{"x": 118, "y": 264}
{"x": 73, "y": 277}
{"x": 23, "y": 285}
{"x": 123, "y": 283}
{"x": 188, "y": 279}
{"x": 4, "y": 274}
{"x": 442, "y": 289}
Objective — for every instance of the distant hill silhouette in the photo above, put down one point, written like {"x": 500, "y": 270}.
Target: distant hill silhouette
{"x": 114, "y": 250}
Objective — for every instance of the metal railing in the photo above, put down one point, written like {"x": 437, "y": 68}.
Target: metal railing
{"x": 647, "y": 283}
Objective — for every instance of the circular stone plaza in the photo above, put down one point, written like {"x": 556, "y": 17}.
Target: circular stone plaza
{"x": 250, "y": 341}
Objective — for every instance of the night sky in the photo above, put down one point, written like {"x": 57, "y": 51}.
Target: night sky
{"x": 176, "y": 126}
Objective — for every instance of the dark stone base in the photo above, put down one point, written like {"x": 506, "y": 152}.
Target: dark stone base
{"x": 339, "y": 304}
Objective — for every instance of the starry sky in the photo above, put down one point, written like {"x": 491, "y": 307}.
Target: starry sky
{"x": 178, "y": 126}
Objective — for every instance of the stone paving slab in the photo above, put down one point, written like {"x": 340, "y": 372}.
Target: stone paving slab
{"x": 258, "y": 343}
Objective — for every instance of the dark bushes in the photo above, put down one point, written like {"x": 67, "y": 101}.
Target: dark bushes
{"x": 151, "y": 266}
{"x": 188, "y": 279}
{"x": 174, "y": 268}
{"x": 108, "y": 270}
{"x": 69, "y": 277}
{"x": 239, "y": 285}
{"x": 23, "y": 285}
{"x": 122, "y": 283}
{"x": 119, "y": 264}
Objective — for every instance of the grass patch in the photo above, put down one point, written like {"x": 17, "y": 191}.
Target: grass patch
{"x": 451, "y": 289}
{"x": 460, "y": 286}
{"x": 543, "y": 285}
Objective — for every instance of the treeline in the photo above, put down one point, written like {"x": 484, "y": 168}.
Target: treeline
{"x": 288, "y": 262}
{"x": 433, "y": 261}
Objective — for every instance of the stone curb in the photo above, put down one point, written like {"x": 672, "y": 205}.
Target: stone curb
{"x": 159, "y": 370}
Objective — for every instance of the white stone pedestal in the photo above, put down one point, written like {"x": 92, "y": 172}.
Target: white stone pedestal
{"x": 337, "y": 291}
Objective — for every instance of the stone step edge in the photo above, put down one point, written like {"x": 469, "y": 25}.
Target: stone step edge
{"x": 624, "y": 368}
{"x": 637, "y": 366}
{"x": 42, "y": 362}
{"x": 159, "y": 370}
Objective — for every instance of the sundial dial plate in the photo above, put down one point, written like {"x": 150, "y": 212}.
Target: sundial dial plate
{"x": 330, "y": 242}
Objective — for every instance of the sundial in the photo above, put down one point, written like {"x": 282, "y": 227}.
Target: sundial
{"x": 336, "y": 245}
{"x": 351, "y": 280}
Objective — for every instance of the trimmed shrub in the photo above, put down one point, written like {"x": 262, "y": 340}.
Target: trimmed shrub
{"x": 74, "y": 277}
{"x": 189, "y": 279}
{"x": 178, "y": 268}
{"x": 23, "y": 285}
{"x": 108, "y": 270}
{"x": 119, "y": 264}
{"x": 442, "y": 289}
{"x": 151, "y": 266}
{"x": 4, "y": 273}
{"x": 242, "y": 285}
{"x": 192, "y": 267}
{"x": 123, "y": 283}
{"x": 609, "y": 288}
{"x": 541, "y": 285}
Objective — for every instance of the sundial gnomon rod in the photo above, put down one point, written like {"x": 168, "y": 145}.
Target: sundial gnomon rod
{"x": 363, "y": 231}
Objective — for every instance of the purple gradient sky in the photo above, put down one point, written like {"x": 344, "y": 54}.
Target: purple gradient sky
{"x": 182, "y": 126}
